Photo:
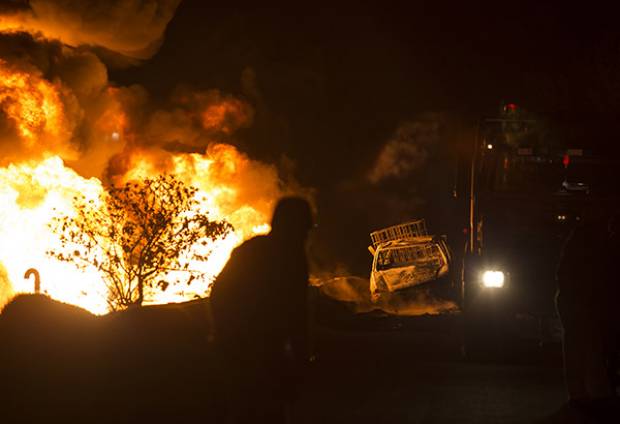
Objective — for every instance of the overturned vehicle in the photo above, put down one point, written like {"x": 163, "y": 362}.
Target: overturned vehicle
{"x": 406, "y": 256}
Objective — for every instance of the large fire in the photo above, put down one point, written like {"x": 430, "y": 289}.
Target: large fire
{"x": 33, "y": 193}
{"x": 38, "y": 184}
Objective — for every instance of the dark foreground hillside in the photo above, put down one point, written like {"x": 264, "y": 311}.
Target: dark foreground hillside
{"x": 154, "y": 364}
{"x": 61, "y": 363}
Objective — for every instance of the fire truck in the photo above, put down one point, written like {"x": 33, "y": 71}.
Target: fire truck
{"x": 524, "y": 195}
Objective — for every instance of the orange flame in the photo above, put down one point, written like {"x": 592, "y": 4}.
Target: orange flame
{"x": 236, "y": 188}
{"x": 33, "y": 193}
{"x": 32, "y": 103}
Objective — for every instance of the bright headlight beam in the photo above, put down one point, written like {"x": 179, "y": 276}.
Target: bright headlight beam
{"x": 493, "y": 279}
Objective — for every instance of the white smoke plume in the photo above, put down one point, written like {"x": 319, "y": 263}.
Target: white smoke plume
{"x": 407, "y": 150}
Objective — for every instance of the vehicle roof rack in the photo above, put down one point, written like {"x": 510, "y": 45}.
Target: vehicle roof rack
{"x": 404, "y": 231}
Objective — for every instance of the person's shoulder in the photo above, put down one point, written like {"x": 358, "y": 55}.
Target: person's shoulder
{"x": 253, "y": 244}
{"x": 255, "y": 241}
{"x": 242, "y": 259}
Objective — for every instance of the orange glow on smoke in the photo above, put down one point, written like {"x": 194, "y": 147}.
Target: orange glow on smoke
{"x": 113, "y": 121}
{"x": 31, "y": 103}
{"x": 226, "y": 116}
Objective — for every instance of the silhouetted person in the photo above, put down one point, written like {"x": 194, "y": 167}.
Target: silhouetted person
{"x": 259, "y": 304}
{"x": 611, "y": 296}
{"x": 587, "y": 274}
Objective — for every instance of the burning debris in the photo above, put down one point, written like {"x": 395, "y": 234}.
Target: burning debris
{"x": 66, "y": 131}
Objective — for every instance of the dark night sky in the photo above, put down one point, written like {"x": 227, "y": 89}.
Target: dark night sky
{"x": 332, "y": 83}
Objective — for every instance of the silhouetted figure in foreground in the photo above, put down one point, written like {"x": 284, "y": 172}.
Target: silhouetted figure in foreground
{"x": 611, "y": 295}
{"x": 587, "y": 283}
{"x": 259, "y": 303}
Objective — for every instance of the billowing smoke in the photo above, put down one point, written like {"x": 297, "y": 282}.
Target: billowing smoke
{"x": 131, "y": 28}
{"x": 196, "y": 118}
{"x": 56, "y": 99}
{"x": 407, "y": 150}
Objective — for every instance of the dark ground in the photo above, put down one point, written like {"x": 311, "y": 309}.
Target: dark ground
{"x": 370, "y": 368}
{"x": 410, "y": 370}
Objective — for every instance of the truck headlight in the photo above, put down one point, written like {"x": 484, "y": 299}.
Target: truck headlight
{"x": 493, "y": 279}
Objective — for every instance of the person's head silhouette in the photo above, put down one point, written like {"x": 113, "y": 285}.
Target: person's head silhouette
{"x": 292, "y": 219}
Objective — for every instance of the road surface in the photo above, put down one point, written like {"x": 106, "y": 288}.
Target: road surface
{"x": 410, "y": 370}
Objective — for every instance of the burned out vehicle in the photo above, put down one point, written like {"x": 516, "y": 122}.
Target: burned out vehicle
{"x": 405, "y": 256}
